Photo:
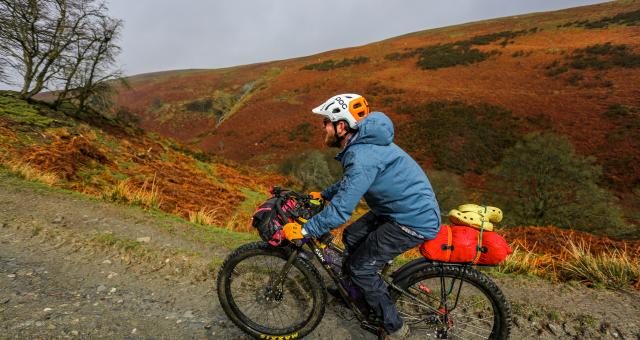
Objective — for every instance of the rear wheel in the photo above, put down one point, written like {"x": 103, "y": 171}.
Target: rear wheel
{"x": 454, "y": 302}
{"x": 251, "y": 297}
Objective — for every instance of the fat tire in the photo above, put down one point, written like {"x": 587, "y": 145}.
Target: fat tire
{"x": 502, "y": 309}
{"x": 304, "y": 266}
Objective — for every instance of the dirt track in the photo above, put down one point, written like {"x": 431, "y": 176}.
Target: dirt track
{"x": 69, "y": 268}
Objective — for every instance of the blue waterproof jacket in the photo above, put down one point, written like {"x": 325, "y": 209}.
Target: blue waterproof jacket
{"x": 392, "y": 183}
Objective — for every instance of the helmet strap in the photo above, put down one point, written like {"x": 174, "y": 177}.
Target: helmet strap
{"x": 335, "y": 132}
{"x": 349, "y": 130}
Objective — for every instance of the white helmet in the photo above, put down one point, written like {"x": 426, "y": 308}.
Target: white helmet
{"x": 349, "y": 106}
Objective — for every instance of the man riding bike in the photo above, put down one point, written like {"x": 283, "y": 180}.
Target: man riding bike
{"x": 404, "y": 211}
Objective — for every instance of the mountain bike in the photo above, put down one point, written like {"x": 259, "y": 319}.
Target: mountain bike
{"x": 276, "y": 292}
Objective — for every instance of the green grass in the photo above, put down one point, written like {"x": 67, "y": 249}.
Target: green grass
{"x": 213, "y": 235}
{"x": 206, "y": 167}
{"x": 93, "y": 175}
{"x": 108, "y": 142}
{"x": 22, "y": 112}
{"x": 223, "y": 237}
{"x": 214, "y": 265}
{"x": 253, "y": 199}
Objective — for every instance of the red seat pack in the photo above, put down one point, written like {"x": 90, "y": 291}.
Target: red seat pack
{"x": 459, "y": 244}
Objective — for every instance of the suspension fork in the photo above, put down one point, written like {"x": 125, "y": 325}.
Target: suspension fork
{"x": 279, "y": 279}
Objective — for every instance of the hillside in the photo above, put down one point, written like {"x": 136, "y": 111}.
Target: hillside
{"x": 575, "y": 72}
{"x": 73, "y": 263}
{"x": 104, "y": 157}
{"x": 459, "y": 97}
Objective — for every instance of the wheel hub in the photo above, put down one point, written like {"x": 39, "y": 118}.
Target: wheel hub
{"x": 270, "y": 297}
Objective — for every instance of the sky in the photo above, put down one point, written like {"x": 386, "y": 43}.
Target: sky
{"x": 160, "y": 35}
{"x": 169, "y": 34}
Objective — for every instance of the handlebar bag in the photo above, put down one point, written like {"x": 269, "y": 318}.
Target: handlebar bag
{"x": 269, "y": 221}
{"x": 282, "y": 207}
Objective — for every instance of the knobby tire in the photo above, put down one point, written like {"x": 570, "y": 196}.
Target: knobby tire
{"x": 315, "y": 288}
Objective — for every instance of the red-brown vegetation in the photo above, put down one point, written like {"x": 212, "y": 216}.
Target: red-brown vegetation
{"x": 553, "y": 241}
{"x": 64, "y": 155}
{"x": 257, "y": 131}
{"x": 130, "y": 167}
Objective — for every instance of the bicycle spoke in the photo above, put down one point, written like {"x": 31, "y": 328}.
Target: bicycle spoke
{"x": 479, "y": 319}
{"x": 421, "y": 304}
{"x": 278, "y": 311}
{"x": 471, "y": 326}
{"x": 466, "y": 331}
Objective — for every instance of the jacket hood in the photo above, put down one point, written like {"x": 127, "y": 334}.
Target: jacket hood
{"x": 376, "y": 129}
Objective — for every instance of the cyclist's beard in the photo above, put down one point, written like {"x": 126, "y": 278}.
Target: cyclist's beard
{"x": 331, "y": 140}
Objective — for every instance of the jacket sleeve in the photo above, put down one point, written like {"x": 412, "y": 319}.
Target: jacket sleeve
{"x": 354, "y": 184}
{"x": 330, "y": 191}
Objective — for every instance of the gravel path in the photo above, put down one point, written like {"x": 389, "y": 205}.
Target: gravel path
{"x": 72, "y": 267}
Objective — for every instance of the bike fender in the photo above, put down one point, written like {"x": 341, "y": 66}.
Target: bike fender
{"x": 409, "y": 268}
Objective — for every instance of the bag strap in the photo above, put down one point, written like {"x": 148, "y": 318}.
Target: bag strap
{"x": 479, "y": 245}
{"x": 292, "y": 212}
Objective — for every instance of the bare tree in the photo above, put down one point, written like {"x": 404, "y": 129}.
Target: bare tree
{"x": 95, "y": 83}
{"x": 88, "y": 70}
{"x": 65, "y": 45}
{"x": 4, "y": 77}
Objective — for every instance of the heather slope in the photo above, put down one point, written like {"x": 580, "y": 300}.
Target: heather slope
{"x": 459, "y": 97}
{"x": 548, "y": 70}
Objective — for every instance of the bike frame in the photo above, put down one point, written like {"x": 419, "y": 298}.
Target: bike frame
{"x": 393, "y": 279}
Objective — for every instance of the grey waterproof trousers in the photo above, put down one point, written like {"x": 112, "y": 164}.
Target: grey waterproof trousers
{"x": 372, "y": 241}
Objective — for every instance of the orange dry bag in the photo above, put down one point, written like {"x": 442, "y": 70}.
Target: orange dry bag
{"x": 462, "y": 244}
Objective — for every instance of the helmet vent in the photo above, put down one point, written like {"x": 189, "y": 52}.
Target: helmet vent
{"x": 326, "y": 107}
{"x": 357, "y": 106}
{"x": 361, "y": 114}
{"x": 336, "y": 110}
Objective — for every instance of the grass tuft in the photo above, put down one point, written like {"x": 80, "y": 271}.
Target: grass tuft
{"x": 26, "y": 171}
{"x": 610, "y": 269}
{"x": 203, "y": 216}
{"x": 148, "y": 195}
{"x": 525, "y": 262}
{"x": 613, "y": 269}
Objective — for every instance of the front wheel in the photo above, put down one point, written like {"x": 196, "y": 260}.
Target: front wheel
{"x": 453, "y": 302}
{"x": 264, "y": 304}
